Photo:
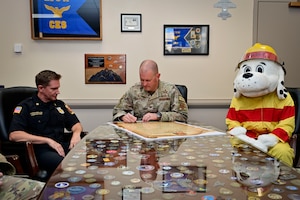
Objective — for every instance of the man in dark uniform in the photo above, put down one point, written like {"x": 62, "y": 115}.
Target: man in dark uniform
{"x": 42, "y": 119}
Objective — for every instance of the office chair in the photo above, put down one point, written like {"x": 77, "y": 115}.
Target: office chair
{"x": 183, "y": 90}
{"x": 295, "y": 140}
{"x": 9, "y": 98}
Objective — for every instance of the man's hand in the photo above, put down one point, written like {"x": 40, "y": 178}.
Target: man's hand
{"x": 74, "y": 140}
{"x": 129, "y": 118}
{"x": 150, "y": 117}
{"x": 60, "y": 150}
{"x": 1, "y": 176}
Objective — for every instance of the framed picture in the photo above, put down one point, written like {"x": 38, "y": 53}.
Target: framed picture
{"x": 186, "y": 39}
{"x": 181, "y": 179}
{"x": 105, "y": 68}
{"x": 61, "y": 20}
{"x": 131, "y": 22}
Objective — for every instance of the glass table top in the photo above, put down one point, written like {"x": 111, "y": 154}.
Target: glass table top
{"x": 109, "y": 163}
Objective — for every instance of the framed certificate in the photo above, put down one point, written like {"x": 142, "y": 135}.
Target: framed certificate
{"x": 61, "y": 20}
{"x": 186, "y": 39}
{"x": 131, "y": 22}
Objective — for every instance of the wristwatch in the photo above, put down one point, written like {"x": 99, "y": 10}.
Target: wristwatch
{"x": 158, "y": 116}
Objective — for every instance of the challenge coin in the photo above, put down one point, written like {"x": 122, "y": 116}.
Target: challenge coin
{"x": 95, "y": 185}
{"x": 90, "y": 180}
{"x": 88, "y": 197}
{"x": 296, "y": 182}
{"x": 115, "y": 183}
{"x": 76, "y": 189}
{"x": 61, "y": 184}
{"x": 274, "y": 196}
{"x": 74, "y": 179}
{"x": 102, "y": 191}
{"x": 145, "y": 167}
{"x": 135, "y": 180}
{"x": 80, "y": 171}
{"x": 147, "y": 190}
{"x": 291, "y": 187}
{"x": 88, "y": 175}
{"x": 128, "y": 173}
{"x": 109, "y": 177}
{"x": 176, "y": 175}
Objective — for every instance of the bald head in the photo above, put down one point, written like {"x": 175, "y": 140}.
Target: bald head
{"x": 149, "y": 65}
{"x": 149, "y": 75}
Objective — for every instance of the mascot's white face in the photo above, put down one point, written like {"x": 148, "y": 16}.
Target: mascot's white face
{"x": 258, "y": 77}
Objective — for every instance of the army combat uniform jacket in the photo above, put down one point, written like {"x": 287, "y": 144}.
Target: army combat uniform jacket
{"x": 166, "y": 99}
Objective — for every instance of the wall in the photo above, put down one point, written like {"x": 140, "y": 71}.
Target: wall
{"x": 281, "y": 32}
{"x": 208, "y": 78}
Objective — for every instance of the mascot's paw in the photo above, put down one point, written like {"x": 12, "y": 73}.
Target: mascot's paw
{"x": 257, "y": 144}
{"x": 253, "y": 142}
{"x": 246, "y": 138}
{"x": 238, "y": 131}
{"x": 268, "y": 140}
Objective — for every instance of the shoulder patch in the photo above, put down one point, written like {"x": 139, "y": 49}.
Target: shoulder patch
{"x": 69, "y": 109}
{"x": 18, "y": 110}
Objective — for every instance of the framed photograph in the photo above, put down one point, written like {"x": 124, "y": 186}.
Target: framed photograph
{"x": 186, "y": 39}
{"x": 105, "y": 68}
{"x": 181, "y": 179}
{"x": 131, "y": 22}
{"x": 62, "y": 20}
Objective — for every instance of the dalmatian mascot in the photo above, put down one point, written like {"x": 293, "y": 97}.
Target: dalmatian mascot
{"x": 262, "y": 112}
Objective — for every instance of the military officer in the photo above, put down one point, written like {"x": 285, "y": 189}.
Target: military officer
{"x": 151, "y": 99}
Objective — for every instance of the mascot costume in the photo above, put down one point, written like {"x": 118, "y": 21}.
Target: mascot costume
{"x": 262, "y": 112}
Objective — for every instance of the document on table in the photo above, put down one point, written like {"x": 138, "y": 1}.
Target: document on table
{"x": 164, "y": 130}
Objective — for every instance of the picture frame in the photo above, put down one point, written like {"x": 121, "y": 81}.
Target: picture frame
{"x": 131, "y": 22}
{"x": 66, "y": 20}
{"x": 105, "y": 68}
{"x": 186, "y": 40}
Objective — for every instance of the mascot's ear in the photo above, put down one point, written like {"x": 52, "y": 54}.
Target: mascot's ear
{"x": 236, "y": 93}
{"x": 281, "y": 90}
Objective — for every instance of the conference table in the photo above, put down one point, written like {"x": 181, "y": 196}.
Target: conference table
{"x": 111, "y": 163}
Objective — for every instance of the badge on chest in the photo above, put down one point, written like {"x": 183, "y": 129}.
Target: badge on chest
{"x": 60, "y": 110}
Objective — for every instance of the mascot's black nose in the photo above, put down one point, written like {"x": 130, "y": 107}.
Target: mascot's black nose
{"x": 247, "y": 75}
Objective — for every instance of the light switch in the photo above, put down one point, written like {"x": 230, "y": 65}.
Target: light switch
{"x": 18, "y": 48}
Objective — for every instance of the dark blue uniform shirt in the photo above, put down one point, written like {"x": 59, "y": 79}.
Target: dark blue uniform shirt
{"x": 43, "y": 119}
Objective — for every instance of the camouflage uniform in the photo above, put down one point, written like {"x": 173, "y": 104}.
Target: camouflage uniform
{"x": 166, "y": 99}
{"x": 17, "y": 187}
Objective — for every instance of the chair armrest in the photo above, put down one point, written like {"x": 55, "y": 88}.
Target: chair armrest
{"x": 32, "y": 159}
{"x": 15, "y": 161}
{"x": 27, "y": 157}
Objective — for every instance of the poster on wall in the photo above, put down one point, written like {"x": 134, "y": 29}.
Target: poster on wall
{"x": 66, "y": 19}
{"x": 186, "y": 39}
{"x": 105, "y": 68}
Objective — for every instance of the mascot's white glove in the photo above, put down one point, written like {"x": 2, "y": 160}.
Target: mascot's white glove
{"x": 238, "y": 131}
{"x": 269, "y": 140}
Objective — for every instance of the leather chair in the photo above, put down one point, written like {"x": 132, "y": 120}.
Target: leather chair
{"x": 295, "y": 140}
{"x": 9, "y": 98}
{"x": 184, "y": 91}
